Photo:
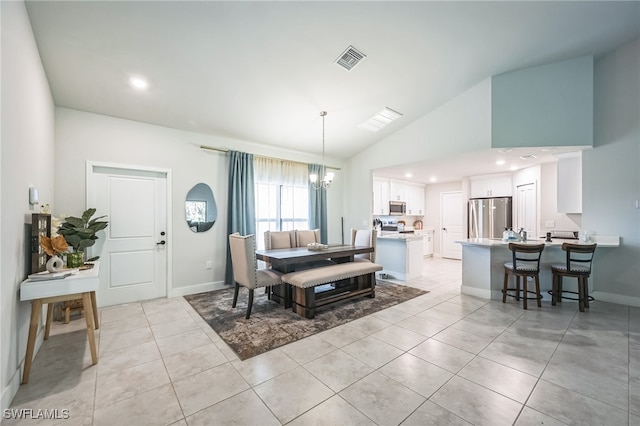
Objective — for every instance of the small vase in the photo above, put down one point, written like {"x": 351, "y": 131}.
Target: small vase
{"x": 75, "y": 259}
{"x": 55, "y": 264}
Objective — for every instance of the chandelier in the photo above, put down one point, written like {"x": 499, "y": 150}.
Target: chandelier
{"x": 325, "y": 182}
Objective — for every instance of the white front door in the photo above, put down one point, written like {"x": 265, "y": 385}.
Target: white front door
{"x": 451, "y": 220}
{"x": 133, "y": 251}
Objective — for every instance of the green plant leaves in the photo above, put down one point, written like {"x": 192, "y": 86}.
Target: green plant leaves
{"x": 80, "y": 233}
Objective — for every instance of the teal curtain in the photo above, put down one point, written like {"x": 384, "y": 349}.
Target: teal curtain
{"x": 241, "y": 208}
{"x": 318, "y": 205}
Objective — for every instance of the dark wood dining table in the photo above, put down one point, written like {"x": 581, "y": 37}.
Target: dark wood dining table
{"x": 288, "y": 259}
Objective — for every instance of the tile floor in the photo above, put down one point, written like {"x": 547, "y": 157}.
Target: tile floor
{"x": 443, "y": 358}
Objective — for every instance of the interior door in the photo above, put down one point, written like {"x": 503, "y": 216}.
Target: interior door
{"x": 134, "y": 249}
{"x": 451, "y": 219}
{"x": 527, "y": 208}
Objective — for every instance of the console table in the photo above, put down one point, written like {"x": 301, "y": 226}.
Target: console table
{"x": 80, "y": 285}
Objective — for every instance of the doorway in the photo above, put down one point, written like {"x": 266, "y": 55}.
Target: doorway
{"x": 135, "y": 248}
{"x": 451, "y": 218}
{"x": 527, "y": 208}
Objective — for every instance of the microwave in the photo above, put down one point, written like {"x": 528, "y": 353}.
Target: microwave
{"x": 397, "y": 208}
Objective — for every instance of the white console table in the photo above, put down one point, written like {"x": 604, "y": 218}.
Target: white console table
{"x": 81, "y": 285}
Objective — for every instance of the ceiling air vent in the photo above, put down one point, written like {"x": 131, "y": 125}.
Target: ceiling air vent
{"x": 350, "y": 58}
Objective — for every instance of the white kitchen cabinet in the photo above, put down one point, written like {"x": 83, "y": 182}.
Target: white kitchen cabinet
{"x": 570, "y": 183}
{"x": 380, "y": 196}
{"x": 415, "y": 200}
{"x": 427, "y": 241}
{"x": 397, "y": 191}
{"x": 491, "y": 187}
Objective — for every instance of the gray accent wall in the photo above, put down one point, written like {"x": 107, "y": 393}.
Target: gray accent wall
{"x": 547, "y": 105}
{"x": 611, "y": 174}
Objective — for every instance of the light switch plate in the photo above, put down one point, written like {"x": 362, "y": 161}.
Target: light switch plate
{"x": 549, "y": 224}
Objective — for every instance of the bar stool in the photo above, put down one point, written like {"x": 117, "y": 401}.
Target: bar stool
{"x": 578, "y": 265}
{"x": 525, "y": 263}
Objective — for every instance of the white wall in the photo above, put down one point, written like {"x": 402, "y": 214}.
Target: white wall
{"x": 611, "y": 174}
{"x": 461, "y": 125}
{"x": 27, "y": 159}
{"x": 82, "y": 137}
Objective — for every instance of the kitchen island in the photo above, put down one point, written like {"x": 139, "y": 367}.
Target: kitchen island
{"x": 400, "y": 254}
{"x": 483, "y": 262}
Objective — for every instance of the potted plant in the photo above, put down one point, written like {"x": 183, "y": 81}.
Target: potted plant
{"x": 80, "y": 233}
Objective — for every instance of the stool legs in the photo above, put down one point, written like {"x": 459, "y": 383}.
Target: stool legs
{"x": 538, "y": 296}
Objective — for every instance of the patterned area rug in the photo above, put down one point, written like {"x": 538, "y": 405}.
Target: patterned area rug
{"x": 272, "y": 326}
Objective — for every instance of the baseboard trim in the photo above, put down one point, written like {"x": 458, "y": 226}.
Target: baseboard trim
{"x": 198, "y": 288}
{"x": 616, "y": 298}
{"x": 477, "y": 292}
{"x": 10, "y": 391}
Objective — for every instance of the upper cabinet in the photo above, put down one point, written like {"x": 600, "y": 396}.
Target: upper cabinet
{"x": 483, "y": 187}
{"x": 415, "y": 200}
{"x": 380, "y": 196}
{"x": 570, "y": 183}
{"x": 385, "y": 190}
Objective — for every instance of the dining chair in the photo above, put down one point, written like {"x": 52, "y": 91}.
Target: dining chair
{"x": 279, "y": 239}
{"x": 245, "y": 268}
{"x": 364, "y": 237}
{"x": 525, "y": 263}
{"x": 578, "y": 265}
{"x": 304, "y": 237}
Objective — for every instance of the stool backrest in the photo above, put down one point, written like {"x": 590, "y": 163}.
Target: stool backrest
{"x": 579, "y": 256}
{"x": 526, "y": 256}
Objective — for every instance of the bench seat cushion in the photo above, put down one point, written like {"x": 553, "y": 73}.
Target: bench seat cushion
{"x": 326, "y": 274}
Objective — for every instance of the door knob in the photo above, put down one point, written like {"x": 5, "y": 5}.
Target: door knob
{"x": 163, "y": 242}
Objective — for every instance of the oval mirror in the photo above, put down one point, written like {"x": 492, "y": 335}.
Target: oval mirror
{"x": 200, "y": 208}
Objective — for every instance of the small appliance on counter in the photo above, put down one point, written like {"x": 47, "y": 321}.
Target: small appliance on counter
{"x": 417, "y": 225}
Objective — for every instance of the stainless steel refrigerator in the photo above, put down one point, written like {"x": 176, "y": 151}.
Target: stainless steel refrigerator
{"x": 489, "y": 216}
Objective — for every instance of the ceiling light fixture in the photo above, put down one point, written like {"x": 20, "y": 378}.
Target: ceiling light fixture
{"x": 380, "y": 120}
{"x": 408, "y": 175}
{"x": 528, "y": 157}
{"x": 138, "y": 83}
{"x": 500, "y": 162}
{"x": 328, "y": 177}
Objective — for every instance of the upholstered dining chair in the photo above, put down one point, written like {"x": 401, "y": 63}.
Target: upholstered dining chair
{"x": 578, "y": 265}
{"x": 245, "y": 268}
{"x": 279, "y": 239}
{"x": 525, "y": 263}
{"x": 364, "y": 237}
{"x": 304, "y": 237}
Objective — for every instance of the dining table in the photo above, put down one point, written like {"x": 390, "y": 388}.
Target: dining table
{"x": 287, "y": 260}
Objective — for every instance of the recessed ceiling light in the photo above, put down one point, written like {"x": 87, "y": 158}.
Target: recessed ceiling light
{"x": 408, "y": 175}
{"x": 513, "y": 168}
{"x": 500, "y": 162}
{"x": 433, "y": 179}
{"x": 528, "y": 157}
{"x": 504, "y": 151}
{"x": 138, "y": 83}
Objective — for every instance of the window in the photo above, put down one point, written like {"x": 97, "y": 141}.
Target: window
{"x": 282, "y": 196}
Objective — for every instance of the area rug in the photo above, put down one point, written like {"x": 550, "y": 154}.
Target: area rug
{"x": 272, "y": 326}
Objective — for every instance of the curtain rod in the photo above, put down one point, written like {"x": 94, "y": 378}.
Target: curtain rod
{"x": 210, "y": 148}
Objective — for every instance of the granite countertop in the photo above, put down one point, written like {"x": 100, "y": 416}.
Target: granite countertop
{"x": 399, "y": 236}
{"x": 602, "y": 241}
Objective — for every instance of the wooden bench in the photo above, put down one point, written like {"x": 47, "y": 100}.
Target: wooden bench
{"x": 348, "y": 280}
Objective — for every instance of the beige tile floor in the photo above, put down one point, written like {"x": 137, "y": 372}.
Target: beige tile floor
{"x": 443, "y": 358}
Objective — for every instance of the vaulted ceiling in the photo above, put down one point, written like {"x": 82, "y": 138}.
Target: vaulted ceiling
{"x": 262, "y": 71}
